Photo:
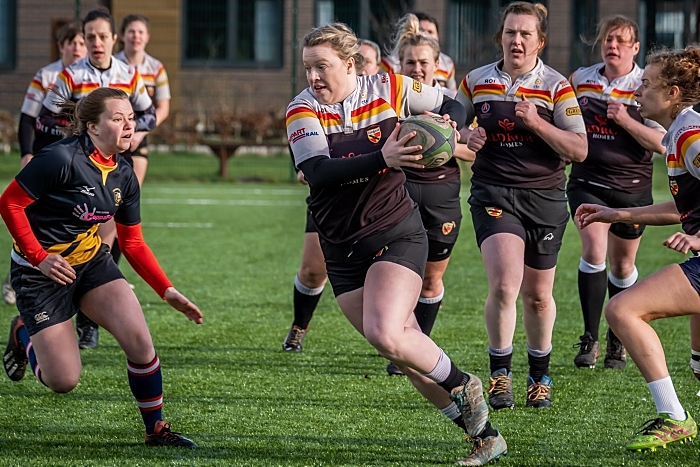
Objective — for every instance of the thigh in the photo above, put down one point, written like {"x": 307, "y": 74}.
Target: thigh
{"x": 114, "y": 307}
{"x": 503, "y": 257}
{"x": 312, "y": 255}
{"x": 537, "y": 283}
{"x": 140, "y": 164}
{"x": 666, "y": 293}
{"x": 390, "y": 294}
{"x": 57, "y": 352}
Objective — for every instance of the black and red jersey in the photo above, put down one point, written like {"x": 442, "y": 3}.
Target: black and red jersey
{"x": 615, "y": 158}
{"x": 74, "y": 193}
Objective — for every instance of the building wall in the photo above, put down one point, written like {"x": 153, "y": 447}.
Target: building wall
{"x": 34, "y": 44}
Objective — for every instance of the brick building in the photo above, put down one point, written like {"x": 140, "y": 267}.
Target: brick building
{"x": 240, "y": 56}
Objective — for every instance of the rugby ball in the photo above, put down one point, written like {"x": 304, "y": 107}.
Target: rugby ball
{"x": 434, "y": 134}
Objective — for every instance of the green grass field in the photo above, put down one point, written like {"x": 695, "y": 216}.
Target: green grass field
{"x": 234, "y": 249}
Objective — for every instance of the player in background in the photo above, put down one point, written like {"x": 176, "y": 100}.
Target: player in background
{"x": 617, "y": 173}
{"x": 373, "y": 56}
{"x": 71, "y": 46}
{"x": 444, "y": 74}
{"x": 670, "y": 86}
{"x": 436, "y": 190}
{"x": 135, "y": 34}
{"x": 59, "y": 265}
{"x": 530, "y": 127}
{"x": 311, "y": 277}
{"x": 373, "y": 240}
{"x": 98, "y": 69}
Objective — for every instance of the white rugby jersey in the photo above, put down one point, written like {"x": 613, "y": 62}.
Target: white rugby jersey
{"x": 514, "y": 156}
{"x": 40, "y": 85}
{"x": 358, "y": 125}
{"x": 153, "y": 75}
{"x": 615, "y": 158}
{"x": 81, "y": 78}
{"x": 444, "y": 74}
{"x": 682, "y": 143}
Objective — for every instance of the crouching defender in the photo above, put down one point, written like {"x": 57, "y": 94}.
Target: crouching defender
{"x": 52, "y": 209}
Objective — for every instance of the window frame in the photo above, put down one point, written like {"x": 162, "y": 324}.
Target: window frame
{"x": 229, "y": 62}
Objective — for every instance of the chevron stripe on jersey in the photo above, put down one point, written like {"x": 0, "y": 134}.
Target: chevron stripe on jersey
{"x": 358, "y": 125}
{"x": 40, "y": 85}
{"x": 682, "y": 143}
{"x": 513, "y": 155}
{"x": 153, "y": 75}
{"x": 590, "y": 82}
{"x": 81, "y": 78}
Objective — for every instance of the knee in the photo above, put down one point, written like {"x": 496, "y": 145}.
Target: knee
{"x": 432, "y": 286}
{"x": 537, "y": 303}
{"x": 60, "y": 384}
{"x": 504, "y": 293}
{"x": 384, "y": 343}
{"x": 312, "y": 276}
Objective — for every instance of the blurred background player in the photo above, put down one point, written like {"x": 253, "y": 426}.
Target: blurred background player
{"x": 436, "y": 190}
{"x": 616, "y": 173}
{"x": 530, "y": 126}
{"x": 135, "y": 34}
{"x": 373, "y": 56}
{"x": 99, "y": 69}
{"x": 71, "y": 46}
{"x": 311, "y": 277}
{"x": 445, "y": 72}
{"x": 670, "y": 86}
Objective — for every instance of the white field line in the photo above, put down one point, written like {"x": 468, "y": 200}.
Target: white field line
{"x": 222, "y": 191}
{"x": 179, "y": 225}
{"x": 222, "y": 202}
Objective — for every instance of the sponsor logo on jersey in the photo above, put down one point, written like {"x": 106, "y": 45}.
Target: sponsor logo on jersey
{"x": 549, "y": 236}
{"x": 417, "y": 86}
{"x": 300, "y": 134}
{"x": 117, "y": 196}
{"x": 41, "y": 317}
{"x": 583, "y": 102}
{"x": 506, "y": 124}
{"x": 485, "y": 107}
{"x": 151, "y": 90}
{"x": 696, "y": 161}
{"x": 573, "y": 111}
{"x": 87, "y": 190}
{"x": 673, "y": 185}
{"x": 363, "y": 98}
{"x": 374, "y": 134}
{"x": 447, "y": 227}
{"x": 84, "y": 214}
{"x": 494, "y": 212}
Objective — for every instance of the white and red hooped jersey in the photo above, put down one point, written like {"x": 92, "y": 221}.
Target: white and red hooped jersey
{"x": 514, "y": 156}
{"x": 444, "y": 74}
{"x": 81, "y": 78}
{"x": 682, "y": 143}
{"x": 615, "y": 158}
{"x": 358, "y": 125}
{"x": 153, "y": 75}
{"x": 40, "y": 85}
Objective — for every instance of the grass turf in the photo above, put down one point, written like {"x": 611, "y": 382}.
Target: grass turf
{"x": 234, "y": 250}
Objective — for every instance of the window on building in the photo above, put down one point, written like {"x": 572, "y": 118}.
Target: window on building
{"x": 665, "y": 23}
{"x": 8, "y": 34}
{"x": 233, "y": 33}
{"x": 372, "y": 20}
{"x": 584, "y": 20}
{"x": 471, "y": 25}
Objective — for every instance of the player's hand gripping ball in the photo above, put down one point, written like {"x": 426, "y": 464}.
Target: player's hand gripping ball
{"x": 434, "y": 134}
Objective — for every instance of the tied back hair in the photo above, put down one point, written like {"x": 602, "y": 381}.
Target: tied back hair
{"x": 679, "y": 68}
{"x": 341, "y": 38}
{"x": 87, "y": 109}
{"x": 408, "y": 33}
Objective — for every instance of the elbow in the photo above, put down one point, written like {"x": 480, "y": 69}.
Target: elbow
{"x": 579, "y": 152}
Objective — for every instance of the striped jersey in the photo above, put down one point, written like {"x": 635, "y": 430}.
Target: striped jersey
{"x": 81, "y": 78}
{"x": 447, "y": 171}
{"x": 153, "y": 75}
{"x": 40, "y": 85}
{"x": 444, "y": 74}
{"x": 74, "y": 194}
{"x": 682, "y": 143}
{"x": 513, "y": 156}
{"x": 358, "y": 125}
{"x": 615, "y": 158}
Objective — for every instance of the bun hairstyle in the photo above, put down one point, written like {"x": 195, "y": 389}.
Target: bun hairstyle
{"x": 537, "y": 10}
{"x": 340, "y": 38}
{"x": 408, "y": 33}
{"x": 680, "y": 68}
{"x": 88, "y": 109}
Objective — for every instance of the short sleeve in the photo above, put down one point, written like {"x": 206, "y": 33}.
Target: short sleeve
{"x": 567, "y": 113}
{"x": 305, "y": 133}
